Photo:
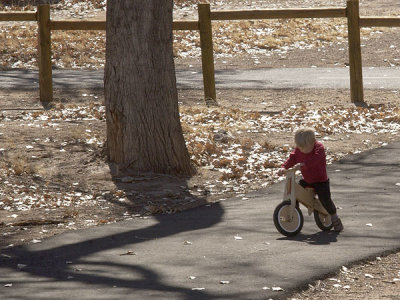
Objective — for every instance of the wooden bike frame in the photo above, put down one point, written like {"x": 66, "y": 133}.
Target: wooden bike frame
{"x": 306, "y": 196}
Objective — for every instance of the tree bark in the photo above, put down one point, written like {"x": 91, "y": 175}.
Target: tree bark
{"x": 144, "y": 133}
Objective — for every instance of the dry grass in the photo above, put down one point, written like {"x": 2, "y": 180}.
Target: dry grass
{"x": 18, "y": 5}
{"x": 77, "y": 134}
{"x": 18, "y": 45}
{"x": 17, "y": 163}
{"x": 247, "y": 36}
{"x": 29, "y": 4}
{"x": 79, "y": 50}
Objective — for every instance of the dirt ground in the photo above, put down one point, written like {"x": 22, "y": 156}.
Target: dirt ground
{"x": 55, "y": 176}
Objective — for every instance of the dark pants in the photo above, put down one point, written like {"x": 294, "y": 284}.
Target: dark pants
{"x": 323, "y": 191}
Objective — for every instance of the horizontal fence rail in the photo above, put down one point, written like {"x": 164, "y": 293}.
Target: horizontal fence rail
{"x": 77, "y": 25}
{"x": 186, "y": 25}
{"x": 278, "y": 14}
{"x": 101, "y": 25}
{"x": 17, "y": 16}
{"x": 204, "y": 27}
{"x": 380, "y": 22}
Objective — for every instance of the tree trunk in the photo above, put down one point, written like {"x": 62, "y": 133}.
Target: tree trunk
{"x": 144, "y": 133}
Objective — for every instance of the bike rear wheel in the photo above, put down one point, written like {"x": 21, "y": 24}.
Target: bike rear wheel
{"x": 282, "y": 221}
{"x": 324, "y": 222}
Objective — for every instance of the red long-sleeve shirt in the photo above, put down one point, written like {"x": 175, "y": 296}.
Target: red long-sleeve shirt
{"x": 314, "y": 168}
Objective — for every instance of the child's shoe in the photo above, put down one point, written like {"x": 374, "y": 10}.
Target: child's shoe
{"x": 337, "y": 224}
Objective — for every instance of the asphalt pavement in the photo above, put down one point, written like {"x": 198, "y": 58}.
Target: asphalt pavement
{"x": 226, "y": 250}
{"x": 335, "y": 78}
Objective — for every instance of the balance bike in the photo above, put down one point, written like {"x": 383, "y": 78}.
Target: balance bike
{"x": 288, "y": 218}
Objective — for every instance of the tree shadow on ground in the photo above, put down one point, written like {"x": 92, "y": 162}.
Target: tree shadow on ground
{"x": 51, "y": 263}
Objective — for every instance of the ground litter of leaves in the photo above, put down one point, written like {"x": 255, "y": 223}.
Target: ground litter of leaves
{"x": 218, "y": 139}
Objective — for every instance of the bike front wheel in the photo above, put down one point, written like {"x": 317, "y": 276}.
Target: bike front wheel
{"x": 283, "y": 223}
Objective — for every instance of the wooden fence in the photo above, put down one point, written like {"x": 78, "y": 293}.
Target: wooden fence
{"x": 204, "y": 26}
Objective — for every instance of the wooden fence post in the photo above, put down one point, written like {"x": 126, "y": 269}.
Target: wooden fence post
{"x": 355, "y": 61}
{"x": 207, "y": 52}
{"x": 45, "y": 71}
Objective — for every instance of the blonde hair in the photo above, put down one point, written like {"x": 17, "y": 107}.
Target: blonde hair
{"x": 304, "y": 136}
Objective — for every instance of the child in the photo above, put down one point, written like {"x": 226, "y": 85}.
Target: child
{"x": 310, "y": 154}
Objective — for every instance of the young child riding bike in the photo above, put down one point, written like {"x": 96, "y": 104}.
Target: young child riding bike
{"x": 310, "y": 154}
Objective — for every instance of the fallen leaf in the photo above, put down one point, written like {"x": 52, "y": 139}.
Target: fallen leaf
{"x": 128, "y": 253}
{"x": 346, "y": 287}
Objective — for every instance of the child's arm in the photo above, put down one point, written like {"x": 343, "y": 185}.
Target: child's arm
{"x": 290, "y": 162}
{"x": 283, "y": 171}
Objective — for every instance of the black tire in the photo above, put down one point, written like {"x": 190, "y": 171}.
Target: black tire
{"x": 323, "y": 222}
{"x": 286, "y": 227}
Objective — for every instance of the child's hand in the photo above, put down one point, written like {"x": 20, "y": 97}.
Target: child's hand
{"x": 281, "y": 171}
{"x": 298, "y": 166}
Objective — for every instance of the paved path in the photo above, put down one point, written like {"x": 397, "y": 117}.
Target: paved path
{"x": 337, "y": 78}
{"x": 89, "y": 264}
